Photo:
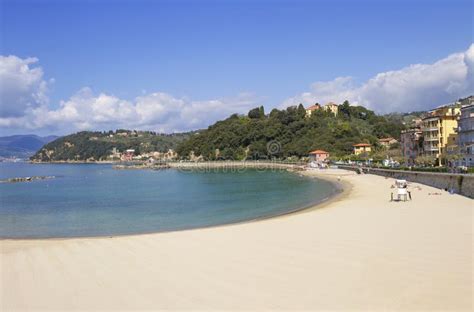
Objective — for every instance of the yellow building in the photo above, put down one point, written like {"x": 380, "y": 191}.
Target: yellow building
{"x": 439, "y": 130}
{"x": 331, "y": 107}
{"x": 362, "y": 148}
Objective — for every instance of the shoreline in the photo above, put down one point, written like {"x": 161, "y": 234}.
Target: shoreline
{"x": 343, "y": 187}
{"x": 362, "y": 253}
{"x": 341, "y": 190}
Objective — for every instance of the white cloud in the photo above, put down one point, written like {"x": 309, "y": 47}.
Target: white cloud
{"x": 416, "y": 87}
{"x": 156, "y": 111}
{"x": 84, "y": 111}
{"x": 22, "y": 86}
{"x": 24, "y": 106}
{"x": 336, "y": 90}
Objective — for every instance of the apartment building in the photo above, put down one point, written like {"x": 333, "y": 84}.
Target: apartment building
{"x": 440, "y": 130}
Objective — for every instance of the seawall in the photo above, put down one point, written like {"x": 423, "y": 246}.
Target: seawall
{"x": 461, "y": 183}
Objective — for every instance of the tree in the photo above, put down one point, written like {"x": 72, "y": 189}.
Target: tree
{"x": 425, "y": 160}
{"x": 343, "y": 110}
{"x": 301, "y": 111}
{"x": 257, "y": 113}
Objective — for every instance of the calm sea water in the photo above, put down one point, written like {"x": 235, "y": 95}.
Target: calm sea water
{"x": 96, "y": 200}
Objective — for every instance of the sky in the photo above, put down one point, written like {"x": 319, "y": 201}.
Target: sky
{"x": 172, "y": 66}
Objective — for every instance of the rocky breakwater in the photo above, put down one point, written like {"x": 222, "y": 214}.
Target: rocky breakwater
{"x": 26, "y": 179}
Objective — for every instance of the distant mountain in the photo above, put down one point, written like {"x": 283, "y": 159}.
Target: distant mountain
{"x": 22, "y": 146}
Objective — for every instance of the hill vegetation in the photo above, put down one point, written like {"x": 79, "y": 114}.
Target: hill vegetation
{"x": 289, "y": 133}
{"x": 88, "y": 145}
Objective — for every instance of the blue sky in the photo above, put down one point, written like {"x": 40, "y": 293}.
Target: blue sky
{"x": 207, "y": 50}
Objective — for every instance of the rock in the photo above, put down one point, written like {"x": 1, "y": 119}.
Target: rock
{"x": 26, "y": 179}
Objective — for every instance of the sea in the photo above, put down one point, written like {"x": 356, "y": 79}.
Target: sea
{"x": 92, "y": 200}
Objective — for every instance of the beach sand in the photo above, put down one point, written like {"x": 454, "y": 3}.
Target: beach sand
{"x": 358, "y": 252}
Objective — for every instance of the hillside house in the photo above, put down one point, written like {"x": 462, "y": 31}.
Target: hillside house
{"x": 312, "y": 108}
{"x": 362, "y": 148}
{"x": 331, "y": 107}
{"x": 386, "y": 142}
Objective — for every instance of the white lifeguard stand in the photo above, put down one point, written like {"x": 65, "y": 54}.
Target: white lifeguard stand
{"x": 402, "y": 191}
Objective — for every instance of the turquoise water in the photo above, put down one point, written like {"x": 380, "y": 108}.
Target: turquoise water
{"x": 96, "y": 200}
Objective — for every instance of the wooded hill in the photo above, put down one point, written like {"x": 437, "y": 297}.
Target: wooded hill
{"x": 286, "y": 133}
{"x": 88, "y": 145}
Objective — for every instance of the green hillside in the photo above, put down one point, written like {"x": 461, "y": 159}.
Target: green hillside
{"x": 88, "y": 145}
{"x": 285, "y": 133}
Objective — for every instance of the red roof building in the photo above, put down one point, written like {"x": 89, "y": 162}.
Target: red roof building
{"x": 318, "y": 156}
{"x": 312, "y": 108}
{"x": 386, "y": 142}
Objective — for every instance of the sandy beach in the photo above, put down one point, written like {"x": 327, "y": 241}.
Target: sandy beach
{"x": 358, "y": 252}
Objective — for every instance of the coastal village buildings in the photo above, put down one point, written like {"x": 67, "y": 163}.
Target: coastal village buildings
{"x": 466, "y": 135}
{"x": 445, "y": 131}
{"x": 440, "y": 130}
{"x": 169, "y": 155}
{"x": 128, "y": 155}
{"x": 115, "y": 154}
{"x": 312, "y": 108}
{"x": 410, "y": 144}
{"x": 329, "y": 107}
{"x": 362, "y": 148}
{"x": 332, "y": 107}
{"x": 431, "y": 136}
{"x": 417, "y": 123}
{"x": 318, "y": 156}
{"x": 466, "y": 101}
{"x": 386, "y": 142}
